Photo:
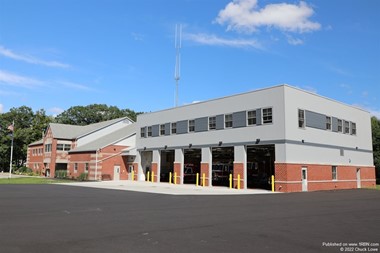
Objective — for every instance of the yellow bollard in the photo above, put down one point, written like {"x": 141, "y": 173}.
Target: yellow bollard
{"x": 203, "y": 179}
{"x": 238, "y": 183}
{"x": 272, "y": 183}
{"x": 170, "y": 178}
{"x": 133, "y": 175}
{"x": 175, "y": 177}
{"x": 147, "y": 175}
{"x": 197, "y": 180}
{"x": 230, "y": 181}
{"x": 152, "y": 177}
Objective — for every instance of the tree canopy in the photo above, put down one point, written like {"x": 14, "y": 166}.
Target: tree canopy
{"x": 94, "y": 113}
{"x": 376, "y": 144}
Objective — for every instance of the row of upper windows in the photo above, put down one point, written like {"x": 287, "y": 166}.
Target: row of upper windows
{"x": 251, "y": 120}
{"x": 342, "y": 126}
{"x": 60, "y": 147}
{"x": 37, "y": 151}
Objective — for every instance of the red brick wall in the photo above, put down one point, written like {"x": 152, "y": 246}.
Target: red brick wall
{"x": 288, "y": 177}
{"x": 205, "y": 168}
{"x": 238, "y": 170}
{"x": 35, "y": 161}
{"x": 177, "y": 170}
{"x": 154, "y": 170}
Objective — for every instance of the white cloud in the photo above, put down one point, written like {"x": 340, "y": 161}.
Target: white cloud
{"x": 294, "y": 41}
{"x": 30, "y": 59}
{"x": 18, "y": 80}
{"x": 1, "y": 108}
{"x": 76, "y": 86}
{"x": 213, "y": 40}
{"x": 56, "y": 111}
{"x": 245, "y": 16}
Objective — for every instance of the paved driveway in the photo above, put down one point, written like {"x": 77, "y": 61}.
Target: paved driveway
{"x": 58, "y": 218}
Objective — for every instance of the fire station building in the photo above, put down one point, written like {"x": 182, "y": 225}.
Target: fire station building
{"x": 308, "y": 142}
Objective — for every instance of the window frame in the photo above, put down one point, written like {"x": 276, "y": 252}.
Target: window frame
{"x": 212, "y": 123}
{"x": 301, "y": 119}
{"x": 252, "y": 118}
{"x": 328, "y": 123}
{"x": 143, "y": 132}
{"x": 334, "y": 173}
{"x": 75, "y": 167}
{"x": 265, "y": 122}
{"x": 173, "y": 128}
{"x": 228, "y": 123}
{"x": 353, "y": 128}
{"x": 346, "y": 128}
{"x": 340, "y": 126}
{"x": 149, "y": 131}
{"x": 191, "y": 125}
{"x": 162, "y": 129}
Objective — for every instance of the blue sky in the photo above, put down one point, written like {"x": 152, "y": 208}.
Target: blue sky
{"x": 63, "y": 53}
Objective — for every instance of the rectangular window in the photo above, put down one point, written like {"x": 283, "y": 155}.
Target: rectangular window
{"x": 353, "y": 128}
{"x": 228, "y": 120}
{"x": 191, "y": 125}
{"x": 211, "y": 123}
{"x": 301, "y": 118}
{"x": 340, "y": 125}
{"x": 334, "y": 173}
{"x": 267, "y": 116}
{"x": 75, "y": 167}
{"x": 142, "y": 132}
{"x": 162, "y": 129}
{"x": 86, "y": 167}
{"x": 174, "y": 128}
{"x": 60, "y": 147}
{"x": 47, "y": 147}
{"x": 149, "y": 131}
{"x": 328, "y": 123}
{"x": 67, "y": 147}
{"x": 346, "y": 127}
{"x": 341, "y": 152}
{"x": 251, "y": 118}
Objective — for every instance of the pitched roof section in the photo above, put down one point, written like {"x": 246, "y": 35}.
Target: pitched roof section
{"x": 39, "y": 142}
{"x": 64, "y": 131}
{"x": 108, "y": 139}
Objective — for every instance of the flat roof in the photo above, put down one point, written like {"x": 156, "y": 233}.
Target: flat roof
{"x": 254, "y": 91}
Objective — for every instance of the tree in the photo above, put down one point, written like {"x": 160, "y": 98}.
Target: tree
{"x": 94, "y": 113}
{"x": 376, "y": 144}
{"x": 27, "y": 129}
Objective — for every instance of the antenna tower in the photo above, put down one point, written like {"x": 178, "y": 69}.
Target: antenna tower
{"x": 177, "y": 72}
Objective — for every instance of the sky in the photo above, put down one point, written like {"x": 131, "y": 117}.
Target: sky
{"x": 64, "y": 53}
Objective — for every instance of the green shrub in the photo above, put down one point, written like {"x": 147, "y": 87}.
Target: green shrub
{"x": 82, "y": 177}
{"x": 62, "y": 174}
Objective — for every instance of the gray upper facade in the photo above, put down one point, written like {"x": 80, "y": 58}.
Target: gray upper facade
{"x": 304, "y": 126}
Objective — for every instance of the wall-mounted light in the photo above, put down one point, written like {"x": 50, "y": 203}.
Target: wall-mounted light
{"x": 166, "y": 146}
{"x": 303, "y": 141}
{"x": 190, "y": 145}
{"x": 220, "y": 143}
{"x": 144, "y": 148}
{"x": 257, "y": 141}
{"x": 356, "y": 148}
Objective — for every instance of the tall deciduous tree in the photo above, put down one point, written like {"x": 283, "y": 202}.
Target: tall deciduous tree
{"x": 28, "y": 127}
{"x": 85, "y": 115}
{"x": 376, "y": 144}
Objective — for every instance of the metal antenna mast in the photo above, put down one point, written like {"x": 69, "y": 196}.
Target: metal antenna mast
{"x": 177, "y": 72}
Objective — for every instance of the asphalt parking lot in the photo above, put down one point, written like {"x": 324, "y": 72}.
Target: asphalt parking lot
{"x": 60, "y": 218}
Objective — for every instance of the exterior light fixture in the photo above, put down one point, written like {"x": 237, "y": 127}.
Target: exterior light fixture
{"x": 257, "y": 141}
{"x": 190, "y": 145}
{"x": 220, "y": 143}
{"x": 303, "y": 141}
{"x": 166, "y": 146}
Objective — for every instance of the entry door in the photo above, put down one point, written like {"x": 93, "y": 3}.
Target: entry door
{"x": 116, "y": 173}
{"x": 304, "y": 179}
{"x": 358, "y": 182}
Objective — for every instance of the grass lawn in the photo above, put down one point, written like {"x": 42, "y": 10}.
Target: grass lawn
{"x": 378, "y": 187}
{"x": 32, "y": 180}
